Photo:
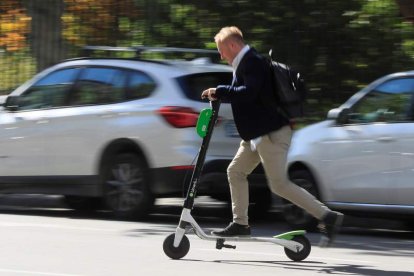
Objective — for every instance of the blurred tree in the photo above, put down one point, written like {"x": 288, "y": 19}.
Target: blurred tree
{"x": 14, "y": 25}
{"x": 166, "y": 23}
{"x": 61, "y": 24}
{"x": 46, "y": 31}
{"x": 407, "y": 9}
{"x": 340, "y": 46}
{"x": 15, "y": 62}
{"x": 98, "y": 22}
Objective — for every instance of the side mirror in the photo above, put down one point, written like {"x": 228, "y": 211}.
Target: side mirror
{"x": 3, "y": 99}
{"x": 12, "y": 103}
{"x": 340, "y": 115}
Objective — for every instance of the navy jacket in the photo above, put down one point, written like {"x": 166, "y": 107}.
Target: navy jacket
{"x": 250, "y": 90}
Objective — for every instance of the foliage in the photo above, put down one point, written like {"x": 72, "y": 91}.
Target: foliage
{"x": 15, "y": 66}
{"x": 14, "y": 26}
{"x": 15, "y": 69}
{"x": 339, "y": 46}
{"x": 97, "y": 22}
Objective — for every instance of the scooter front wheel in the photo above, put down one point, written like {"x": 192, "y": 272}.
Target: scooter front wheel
{"x": 304, "y": 253}
{"x": 176, "y": 252}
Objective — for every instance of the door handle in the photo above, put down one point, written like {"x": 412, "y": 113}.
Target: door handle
{"x": 354, "y": 129}
{"x": 106, "y": 115}
{"x": 42, "y": 121}
{"x": 385, "y": 139}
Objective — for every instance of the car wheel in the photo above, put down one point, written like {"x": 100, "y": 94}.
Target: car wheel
{"x": 83, "y": 203}
{"x": 126, "y": 186}
{"x": 295, "y": 216}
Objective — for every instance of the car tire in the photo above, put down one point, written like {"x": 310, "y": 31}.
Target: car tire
{"x": 82, "y": 203}
{"x": 126, "y": 186}
{"x": 295, "y": 216}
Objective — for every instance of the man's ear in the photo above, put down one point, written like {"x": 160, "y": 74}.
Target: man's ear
{"x": 233, "y": 47}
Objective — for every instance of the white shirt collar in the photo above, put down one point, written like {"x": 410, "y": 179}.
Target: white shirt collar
{"x": 238, "y": 58}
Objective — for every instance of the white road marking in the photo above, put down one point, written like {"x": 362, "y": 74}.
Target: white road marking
{"x": 19, "y": 272}
{"x": 273, "y": 254}
{"x": 56, "y": 226}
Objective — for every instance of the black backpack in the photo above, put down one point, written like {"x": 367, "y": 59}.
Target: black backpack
{"x": 289, "y": 89}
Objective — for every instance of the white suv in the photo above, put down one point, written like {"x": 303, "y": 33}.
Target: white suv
{"x": 117, "y": 129}
{"x": 361, "y": 159}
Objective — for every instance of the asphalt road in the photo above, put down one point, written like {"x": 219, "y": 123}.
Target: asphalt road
{"x": 39, "y": 236}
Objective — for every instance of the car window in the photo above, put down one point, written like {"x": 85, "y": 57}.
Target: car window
{"x": 139, "y": 85}
{"x": 194, "y": 84}
{"x": 397, "y": 86}
{"x": 392, "y": 101}
{"x": 50, "y": 91}
{"x": 99, "y": 86}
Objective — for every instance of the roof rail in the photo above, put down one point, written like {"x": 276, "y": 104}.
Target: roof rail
{"x": 139, "y": 50}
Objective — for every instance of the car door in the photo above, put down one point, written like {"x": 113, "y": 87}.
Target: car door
{"x": 357, "y": 164}
{"x": 25, "y": 126}
{"x": 21, "y": 144}
{"x": 79, "y": 130}
{"x": 400, "y": 133}
{"x": 365, "y": 154}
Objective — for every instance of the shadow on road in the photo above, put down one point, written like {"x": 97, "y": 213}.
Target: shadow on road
{"x": 366, "y": 237}
{"x": 317, "y": 267}
{"x": 369, "y": 236}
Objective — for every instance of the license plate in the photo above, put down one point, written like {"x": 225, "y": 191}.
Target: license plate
{"x": 230, "y": 129}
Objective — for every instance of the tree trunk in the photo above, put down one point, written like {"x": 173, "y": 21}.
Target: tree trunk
{"x": 406, "y": 9}
{"x": 46, "y": 31}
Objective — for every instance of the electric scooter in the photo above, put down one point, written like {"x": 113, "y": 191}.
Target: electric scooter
{"x": 296, "y": 245}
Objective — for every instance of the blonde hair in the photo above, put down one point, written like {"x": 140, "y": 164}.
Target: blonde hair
{"x": 229, "y": 32}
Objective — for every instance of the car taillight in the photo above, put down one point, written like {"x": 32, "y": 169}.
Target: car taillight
{"x": 178, "y": 116}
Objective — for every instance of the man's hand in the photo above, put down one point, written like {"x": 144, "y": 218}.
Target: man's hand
{"x": 210, "y": 94}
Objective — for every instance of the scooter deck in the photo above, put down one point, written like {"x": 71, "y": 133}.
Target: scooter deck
{"x": 284, "y": 239}
{"x": 283, "y": 236}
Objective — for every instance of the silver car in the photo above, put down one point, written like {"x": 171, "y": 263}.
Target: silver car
{"x": 361, "y": 159}
{"x": 117, "y": 129}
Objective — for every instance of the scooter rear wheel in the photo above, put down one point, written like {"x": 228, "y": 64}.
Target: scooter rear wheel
{"x": 304, "y": 253}
{"x": 176, "y": 252}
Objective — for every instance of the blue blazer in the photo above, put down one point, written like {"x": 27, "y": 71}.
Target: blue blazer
{"x": 248, "y": 94}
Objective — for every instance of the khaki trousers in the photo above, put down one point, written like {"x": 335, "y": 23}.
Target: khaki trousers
{"x": 272, "y": 153}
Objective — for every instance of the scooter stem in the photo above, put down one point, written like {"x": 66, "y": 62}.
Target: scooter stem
{"x": 192, "y": 189}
